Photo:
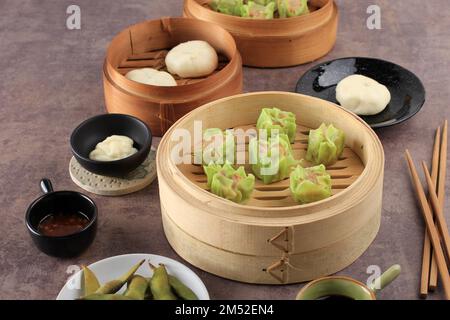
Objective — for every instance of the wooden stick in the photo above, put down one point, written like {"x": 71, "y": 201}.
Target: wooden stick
{"x": 428, "y": 217}
{"x": 441, "y": 196}
{"x": 443, "y": 165}
{"x": 427, "y": 250}
{"x": 439, "y": 216}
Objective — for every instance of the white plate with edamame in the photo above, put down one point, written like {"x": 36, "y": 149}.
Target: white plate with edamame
{"x": 114, "y": 267}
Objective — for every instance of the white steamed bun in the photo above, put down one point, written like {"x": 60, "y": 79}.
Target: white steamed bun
{"x": 152, "y": 77}
{"x": 362, "y": 95}
{"x": 192, "y": 59}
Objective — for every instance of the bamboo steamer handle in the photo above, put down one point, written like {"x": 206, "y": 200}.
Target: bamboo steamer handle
{"x": 166, "y": 116}
{"x": 277, "y": 265}
{"x": 166, "y": 24}
{"x": 284, "y": 267}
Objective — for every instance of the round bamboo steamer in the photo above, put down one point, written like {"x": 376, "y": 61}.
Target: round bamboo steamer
{"x": 272, "y": 239}
{"x": 146, "y": 45}
{"x": 276, "y": 42}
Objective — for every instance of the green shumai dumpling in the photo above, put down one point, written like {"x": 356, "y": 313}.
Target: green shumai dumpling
{"x": 258, "y": 11}
{"x": 230, "y": 7}
{"x": 217, "y": 147}
{"x": 310, "y": 184}
{"x": 264, "y": 2}
{"x": 272, "y": 160}
{"x": 325, "y": 145}
{"x": 274, "y": 118}
{"x": 210, "y": 171}
{"x": 292, "y": 8}
{"x": 229, "y": 183}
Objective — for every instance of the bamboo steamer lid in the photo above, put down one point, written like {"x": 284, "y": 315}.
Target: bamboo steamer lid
{"x": 276, "y": 42}
{"x": 272, "y": 239}
{"x": 145, "y": 45}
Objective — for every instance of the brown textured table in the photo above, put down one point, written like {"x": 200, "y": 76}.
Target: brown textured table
{"x": 51, "y": 81}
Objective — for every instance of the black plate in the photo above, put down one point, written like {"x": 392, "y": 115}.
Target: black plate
{"x": 407, "y": 91}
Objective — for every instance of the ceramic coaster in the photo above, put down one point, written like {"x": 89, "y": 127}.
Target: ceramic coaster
{"x": 136, "y": 180}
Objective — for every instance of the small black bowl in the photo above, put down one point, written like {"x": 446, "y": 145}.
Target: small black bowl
{"x": 61, "y": 202}
{"x": 94, "y": 130}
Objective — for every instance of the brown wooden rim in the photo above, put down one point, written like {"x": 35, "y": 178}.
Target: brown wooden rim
{"x": 239, "y": 25}
{"x": 112, "y": 73}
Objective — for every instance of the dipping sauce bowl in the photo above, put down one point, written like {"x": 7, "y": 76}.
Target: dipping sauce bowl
{"x": 73, "y": 212}
{"x": 94, "y": 130}
{"x": 345, "y": 288}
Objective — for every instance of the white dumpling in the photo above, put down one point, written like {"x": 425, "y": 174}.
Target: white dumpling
{"x": 362, "y": 95}
{"x": 152, "y": 77}
{"x": 192, "y": 59}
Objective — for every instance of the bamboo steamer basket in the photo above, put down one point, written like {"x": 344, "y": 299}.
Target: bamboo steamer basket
{"x": 146, "y": 45}
{"x": 276, "y": 42}
{"x": 272, "y": 239}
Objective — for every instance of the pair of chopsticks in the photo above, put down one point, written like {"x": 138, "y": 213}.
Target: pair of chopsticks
{"x": 437, "y": 239}
{"x": 438, "y": 170}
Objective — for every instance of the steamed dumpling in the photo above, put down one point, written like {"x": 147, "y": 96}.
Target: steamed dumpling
{"x": 292, "y": 8}
{"x": 325, "y": 145}
{"x": 258, "y": 11}
{"x": 217, "y": 146}
{"x": 231, "y": 7}
{"x": 229, "y": 183}
{"x": 276, "y": 119}
{"x": 362, "y": 95}
{"x": 192, "y": 59}
{"x": 152, "y": 77}
{"x": 310, "y": 184}
{"x": 272, "y": 160}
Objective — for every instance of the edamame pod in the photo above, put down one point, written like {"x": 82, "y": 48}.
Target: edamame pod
{"x": 148, "y": 292}
{"x": 90, "y": 280}
{"x": 115, "y": 285}
{"x": 108, "y": 297}
{"x": 181, "y": 290}
{"x": 160, "y": 284}
{"x": 136, "y": 288}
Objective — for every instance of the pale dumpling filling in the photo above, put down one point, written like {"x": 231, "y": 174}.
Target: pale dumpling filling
{"x": 192, "y": 59}
{"x": 152, "y": 77}
{"x": 113, "y": 148}
{"x": 362, "y": 95}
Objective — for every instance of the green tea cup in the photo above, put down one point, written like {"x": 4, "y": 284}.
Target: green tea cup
{"x": 345, "y": 288}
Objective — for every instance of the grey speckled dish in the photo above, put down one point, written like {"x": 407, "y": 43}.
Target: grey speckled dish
{"x": 407, "y": 91}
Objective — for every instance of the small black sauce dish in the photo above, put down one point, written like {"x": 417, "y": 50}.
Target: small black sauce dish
{"x": 61, "y": 202}
{"x": 407, "y": 91}
{"x": 94, "y": 130}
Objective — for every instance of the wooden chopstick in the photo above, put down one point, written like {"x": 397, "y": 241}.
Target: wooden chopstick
{"x": 427, "y": 250}
{"x": 431, "y": 227}
{"x": 441, "y": 197}
{"x": 438, "y": 214}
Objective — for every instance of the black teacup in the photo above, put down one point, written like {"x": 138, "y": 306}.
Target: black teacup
{"x": 62, "y": 205}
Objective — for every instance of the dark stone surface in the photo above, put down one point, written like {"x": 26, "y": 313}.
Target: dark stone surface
{"x": 51, "y": 81}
